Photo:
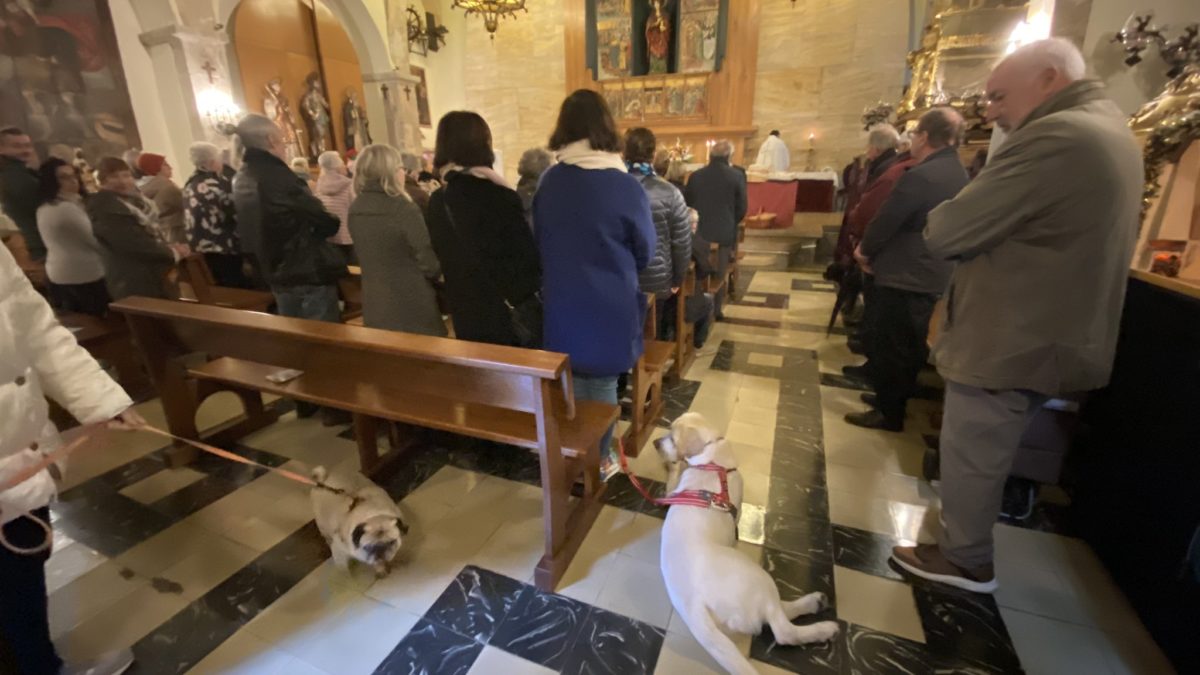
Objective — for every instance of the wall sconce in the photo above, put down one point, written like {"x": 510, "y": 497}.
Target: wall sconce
{"x": 218, "y": 110}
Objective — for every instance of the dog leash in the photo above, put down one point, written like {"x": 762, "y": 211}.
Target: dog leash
{"x": 701, "y": 498}
{"x": 86, "y": 433}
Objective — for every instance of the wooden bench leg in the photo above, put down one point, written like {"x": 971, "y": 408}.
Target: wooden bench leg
{"x": 366, "y": 434}
{"x": 565, "y": 528}
{"x": 638, "y": 387}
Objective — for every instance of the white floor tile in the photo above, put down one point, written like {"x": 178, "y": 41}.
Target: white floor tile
{"x": 883, "y": 604}
{"x": 635, "y": 588}
{"x": 1049, "y": 647}
{"x": 493, "y": 661}
{"x": 357, "y": 639}
{"x": 161, "y": 484}
{"x": 70, "y": 562}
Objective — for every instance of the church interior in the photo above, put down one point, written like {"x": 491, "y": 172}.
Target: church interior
{"x": 515, "y": 558}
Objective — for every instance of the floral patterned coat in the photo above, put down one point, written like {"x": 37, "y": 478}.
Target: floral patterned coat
{"x": 209, "y": 215}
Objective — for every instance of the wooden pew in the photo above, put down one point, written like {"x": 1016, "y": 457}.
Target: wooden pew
{"x": 108, "y": 340}
{"x": 645, "y": 393}
{"x": 194, "y": 272}
{"x": 516, "y": 396}
{"x": 684, "y": 345}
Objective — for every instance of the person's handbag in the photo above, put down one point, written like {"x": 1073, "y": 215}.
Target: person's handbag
{"x": 525, "y": 316}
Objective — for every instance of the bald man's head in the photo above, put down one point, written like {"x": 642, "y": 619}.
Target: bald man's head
{"x": 1028, "y": 77}
{"x": 938, "y": 128}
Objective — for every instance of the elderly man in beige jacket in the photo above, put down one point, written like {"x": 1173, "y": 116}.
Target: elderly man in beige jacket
{"x": 1043, "y": 239}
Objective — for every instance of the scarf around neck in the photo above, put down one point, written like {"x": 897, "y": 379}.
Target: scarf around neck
{"x": 581, "y": 154}
{"x": 484, "y": 172}
{"x": 641, "y": 168}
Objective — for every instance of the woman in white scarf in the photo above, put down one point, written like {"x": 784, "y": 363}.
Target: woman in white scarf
{"x": 595, "y": 233}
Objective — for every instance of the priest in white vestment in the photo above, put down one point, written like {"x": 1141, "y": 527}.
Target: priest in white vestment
{"x": 774, "y": 155}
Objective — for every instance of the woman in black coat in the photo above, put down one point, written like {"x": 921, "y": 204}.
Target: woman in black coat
{"x": 479, "y": 232}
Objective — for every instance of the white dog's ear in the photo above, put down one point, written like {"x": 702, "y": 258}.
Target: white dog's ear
{"x": 357, "y": 535}
{"x": 401, "y": 526}
{"x": 691, "y": 439}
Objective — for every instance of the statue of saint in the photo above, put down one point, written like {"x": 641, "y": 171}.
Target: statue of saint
{"x": 658, "y": 37}
{"x": 316, "y": 116}
{"x": 276, "y": 107}
{"x": 354, "y": 120}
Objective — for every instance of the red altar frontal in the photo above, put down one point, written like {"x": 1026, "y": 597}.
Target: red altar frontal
{"x": 785, "y": 197}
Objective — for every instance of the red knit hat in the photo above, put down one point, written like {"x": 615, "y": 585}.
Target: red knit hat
{"x": 150, "y": 163}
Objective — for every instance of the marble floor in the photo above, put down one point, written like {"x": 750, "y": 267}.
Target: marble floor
{"x": 218, "y": 568}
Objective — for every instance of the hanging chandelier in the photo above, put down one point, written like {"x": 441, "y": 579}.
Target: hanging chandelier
{"x": 491, "y": 11}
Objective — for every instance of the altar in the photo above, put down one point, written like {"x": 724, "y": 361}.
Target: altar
{"x": 785, "y": 194}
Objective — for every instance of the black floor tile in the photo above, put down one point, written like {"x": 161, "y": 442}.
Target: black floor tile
{"x": 475, "y": 603}
{"x": 809, "y": 537}
{"x": 872, "y": 651}
{"x": 866, "y": 552}
{"x": 964, "y": 625}
{"x": 797, "y": 575}
{"x": 430, "y": 649}
{"x": 182, "y": 641}
{"x": 107, "y": 521}
{"x": 828, "y": 658}
{"x": 790, "y": 498}
{"x": 611, "y": 644}
{"x": 541, "y": 627}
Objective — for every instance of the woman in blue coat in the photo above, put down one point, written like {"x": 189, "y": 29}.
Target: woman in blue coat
{"x": 595, "y": 233}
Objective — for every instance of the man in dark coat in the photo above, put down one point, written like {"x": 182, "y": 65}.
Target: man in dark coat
{"x": 19, "y": 193}
{"x": 285, "y": 226}
{"x": 908, "y": 278}
{"x": 718, "y": 193}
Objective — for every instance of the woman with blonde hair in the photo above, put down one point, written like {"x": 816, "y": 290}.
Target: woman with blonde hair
{"x": 392, "y": 244}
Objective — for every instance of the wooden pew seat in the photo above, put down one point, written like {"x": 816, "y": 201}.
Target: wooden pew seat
{"x": 591, "y": 419}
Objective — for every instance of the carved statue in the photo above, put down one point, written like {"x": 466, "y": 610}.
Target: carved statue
{"x": 316, "y": 116}
{"x": 276, "y": 107}
{"x": 658, "y": 36}
{"x": 354, "y": 119}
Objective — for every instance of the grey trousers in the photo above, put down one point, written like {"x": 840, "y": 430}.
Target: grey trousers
{"x": 981, "y": 431}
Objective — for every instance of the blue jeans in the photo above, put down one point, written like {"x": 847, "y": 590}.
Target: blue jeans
{"x": 602, "y": 389}
{"x": 319, "y": 303}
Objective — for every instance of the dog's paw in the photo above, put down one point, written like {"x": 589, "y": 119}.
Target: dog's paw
{"x": 824, "y": 631}
{"x": 820, "y": 601}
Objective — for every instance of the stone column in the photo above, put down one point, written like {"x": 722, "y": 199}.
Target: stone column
{"x": 392, "y": 97}
{"x": 191, "y": 69}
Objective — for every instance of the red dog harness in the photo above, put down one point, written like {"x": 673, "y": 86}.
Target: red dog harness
{"x": 704, "y": 499}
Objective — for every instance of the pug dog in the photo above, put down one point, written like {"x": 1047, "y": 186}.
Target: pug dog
{"x": 713, "y": 587}
{"x": 358, "y": 519}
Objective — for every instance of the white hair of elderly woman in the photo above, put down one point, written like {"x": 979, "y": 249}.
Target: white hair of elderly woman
{"x": 883, "y": 137}
{"x": 382, "y": 164}
{"x": 330, "y": 160}
{"x": 205, "y": 156}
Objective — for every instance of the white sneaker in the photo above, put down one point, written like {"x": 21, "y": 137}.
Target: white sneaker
{"x": 110, "y": 663}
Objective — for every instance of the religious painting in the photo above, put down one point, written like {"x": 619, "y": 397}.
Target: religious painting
{"x": 61, "y": 78}
{"x": 608, "y": 9}
{"x": 614, "y": 95}
{"x": 424, "y": 117}
{"x": 653, "y": 101}
{"x": 695, "y": 102}
{"x": 696, "y": 51}
{"x": 675, "y": 95}
{"x": 632, "y": 109}
{"x": 614, "y": 48}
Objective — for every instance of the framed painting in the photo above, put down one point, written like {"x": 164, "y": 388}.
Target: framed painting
{"x": 632, "y": 107}
{"x": 424, "y": 117}
{"x": 61, "y": 78}
{"x": 697, "y": 48}
{"x": 614, "y": 48}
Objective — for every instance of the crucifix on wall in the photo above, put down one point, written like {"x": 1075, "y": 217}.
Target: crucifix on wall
{"x": 209, "y": 68}
{"x": 407, "y": 93}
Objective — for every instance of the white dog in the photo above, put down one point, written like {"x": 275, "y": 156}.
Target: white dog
{"x": 715, "y": 588}
{"x": 361, "y": 524}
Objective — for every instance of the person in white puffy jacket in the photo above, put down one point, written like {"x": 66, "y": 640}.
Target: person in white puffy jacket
{"x": 40, "y": 358}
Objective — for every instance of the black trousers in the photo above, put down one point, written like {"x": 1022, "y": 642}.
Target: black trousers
{"x": 90, "y": 298}
{"x": 897, "y": 346}
{"x": 25, "y": 646}
{"x": 866, "y": 329}
{"x": 227, "y": 270}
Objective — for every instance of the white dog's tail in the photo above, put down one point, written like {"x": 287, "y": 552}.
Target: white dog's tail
{"x": 319, "y": 474}
{"x": 718, "y": 644}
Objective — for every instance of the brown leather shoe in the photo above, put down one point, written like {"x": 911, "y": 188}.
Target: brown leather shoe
{"x": 926, "y": 561}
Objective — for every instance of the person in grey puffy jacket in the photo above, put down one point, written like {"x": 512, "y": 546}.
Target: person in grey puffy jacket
{"x": 672, "y": 224}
